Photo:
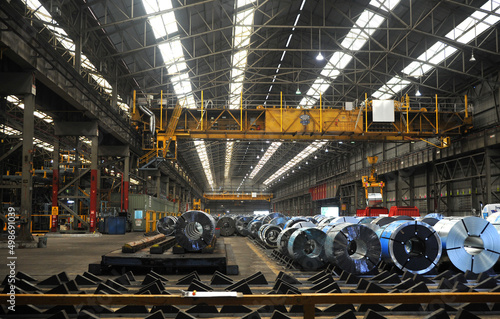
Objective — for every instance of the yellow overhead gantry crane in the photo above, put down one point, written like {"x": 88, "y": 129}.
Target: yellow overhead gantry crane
{"x": 324, "y": 123}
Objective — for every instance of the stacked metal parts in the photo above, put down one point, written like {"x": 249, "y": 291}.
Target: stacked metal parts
{"x": 195, "y": 230}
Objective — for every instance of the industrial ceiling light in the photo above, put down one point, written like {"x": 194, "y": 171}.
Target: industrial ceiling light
{"x": 418, "y": 92}
{"x": 326, "y": 150}
{"x": 472, "y": 58}
{"x": 320, "y": 56}
{"x": 298, "y": 91}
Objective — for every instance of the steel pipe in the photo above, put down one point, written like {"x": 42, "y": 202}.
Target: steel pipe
{"x": 471, "y": 243}
{"x": 195, "y": 230}
{"x": 411, "y": 245}
{"x": 354, "y": 248}
{"x": 227, "y": 226}
{"x": 166, "y": 225}
{"x": 306, "y": 247}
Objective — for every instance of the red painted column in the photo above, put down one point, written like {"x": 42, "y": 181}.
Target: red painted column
{"x": 93, "y": 200}
{"x": 125, "y": 195}
{"x": 54, "y": 219}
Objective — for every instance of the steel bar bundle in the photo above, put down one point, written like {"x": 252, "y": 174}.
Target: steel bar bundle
{"x": 227, "y": 226}
{"x": 354, "y": 248}
{"x": 166, "y": 225}
{"x": 306, "y": 247}
{"x": 411, "y": 245}
{"x": 471, "y": 243}
{"x": 195, "y": 230}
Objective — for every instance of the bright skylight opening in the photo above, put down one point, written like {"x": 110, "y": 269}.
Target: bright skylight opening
{"x": 229, "y": 155}
{"x": 202, "y": 154}
{"x": 365, "y": 25}
{"x": 465, "y": 32}
{"x": 242, "y": 32}
{"x": 172, "y": 52}
{"x": 315, "y": 146}
{"x": 63, "y": 38}
{"x": 263, "y": 160}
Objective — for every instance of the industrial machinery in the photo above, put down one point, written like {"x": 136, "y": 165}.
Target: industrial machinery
{"x": 372, "y": 199}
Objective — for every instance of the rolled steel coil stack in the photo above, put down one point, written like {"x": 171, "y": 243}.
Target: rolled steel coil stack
{"x": 242, "y": 225}
{"x": 195, "y": 230}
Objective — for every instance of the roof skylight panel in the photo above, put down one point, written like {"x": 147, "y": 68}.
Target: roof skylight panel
{"x": 267, "y": 155}
{"x": 296, "y": 160}
{"x": 229, "y": 155}
{"x": 202, "y": 154}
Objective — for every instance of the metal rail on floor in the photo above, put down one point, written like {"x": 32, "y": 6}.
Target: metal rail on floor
{"x": 308, "y": 301}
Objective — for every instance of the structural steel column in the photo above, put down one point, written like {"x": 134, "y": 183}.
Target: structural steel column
{"x": 27, "y": 166}
{"x": 158, "y": 186}
{"x": 126, "y": 183}
{"x": 93, "y": 184}
{"x": 487, "y": 164}
{"x": 55, "y": 187}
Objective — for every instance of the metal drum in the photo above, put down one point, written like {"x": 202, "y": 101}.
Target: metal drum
{"x": 166, "y": 225}
{"x": 471, "y": 243}
{"x": 354, "y": 248}
{"x": 306, "y": 247}
{"x": 411, "y": 245}
{"x": 195, "y": 230}
{"x": 227, "y": 226}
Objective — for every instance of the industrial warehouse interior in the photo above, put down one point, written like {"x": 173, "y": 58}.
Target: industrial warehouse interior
{"x": 250, "y": 159}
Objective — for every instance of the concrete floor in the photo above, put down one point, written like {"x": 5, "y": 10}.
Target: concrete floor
{"x": 73, "y": 254}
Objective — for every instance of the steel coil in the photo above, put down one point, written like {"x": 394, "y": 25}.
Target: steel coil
{"x": 411, "y": 245}
{"x": 306, "y": 247}
{"x": 471, "y": 243}
{"x": 253, "y": 228}
{"x": 338, "y": 220}
{"x": 242, "y": 225}
{"x": 382, "y": 221}
{"x": 279, "y": 221}
{"x": 365, "y": 220}
{"x": 294, "y": 220}
{"x": 354, "y": 248}
{"x": 494, "y": 218}
{"x": 270, "y": 217}
{"x": 227, "y": 226}
{"x": 269, "y": 235}
{"x": 282, "y": 241}
{"x": 437, "y": 216}
{"x": 429, "y": 220}
{"x": 326, "y": 221}
{"x": 195, "y": 230}
{"x": 166, "y": 225}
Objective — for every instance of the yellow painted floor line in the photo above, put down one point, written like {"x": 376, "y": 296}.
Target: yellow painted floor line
{"x": 270, "y": 264}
